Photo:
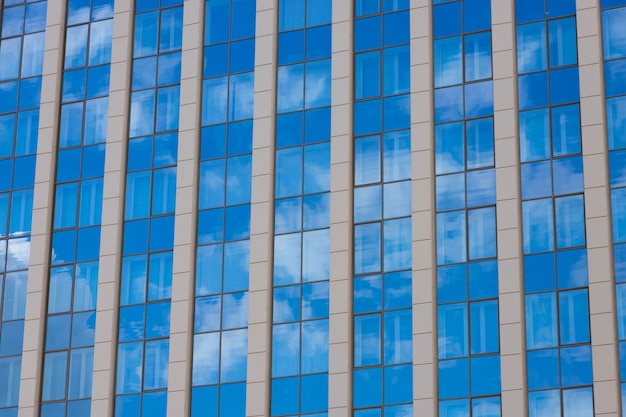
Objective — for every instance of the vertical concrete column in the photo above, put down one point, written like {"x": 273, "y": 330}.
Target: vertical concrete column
{"x": 183, "y": 283}
{"x": 107, "y": 310}
{"x": 43, "y": 205}
{"x": 508, "y": 208}
{"x": 606, "y": 378}
{"x": 262, "y": 212}
{"x": 423, "y": 213}
{"x": 341, "y": 223}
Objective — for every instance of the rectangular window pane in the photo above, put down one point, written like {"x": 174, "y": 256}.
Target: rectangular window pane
{"x": 541, "y": 326}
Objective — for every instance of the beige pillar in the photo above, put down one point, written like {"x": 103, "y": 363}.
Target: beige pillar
{"x": 183, "y": 283}
{"x": 43, "y": 198}
{"x": 341, "y": 224}
{"x": 508, "y": 207}
{"x": 105, "y": 348}
{"x": 262, "y": 212}
{"x": 606, "y": 378}
{"x": 425, "y": 366}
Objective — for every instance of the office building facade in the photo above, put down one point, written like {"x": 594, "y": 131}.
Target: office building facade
{"x": 323, "y": 208}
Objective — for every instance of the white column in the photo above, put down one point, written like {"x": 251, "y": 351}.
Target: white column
{"x": 425, "y": 366}
{"x": 508, "y": 207}
{"x": 262, "y": 212}
{"x": 341, "y": 224}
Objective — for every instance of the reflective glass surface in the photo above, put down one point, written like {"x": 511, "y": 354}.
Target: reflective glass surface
{"x": 21, "y": 64}
{"x": 382, "y": 244}
{"x": 467, "y": 277}
{"x": 614, "y": 43}
{"x": 148, "y": 238}
{"x": 302, "y": 210}
{"x": 555, "y": 260}
{"x": 222, "y": 271}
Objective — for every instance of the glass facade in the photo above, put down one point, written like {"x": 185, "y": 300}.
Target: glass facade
{"x": 302, "y": 210}
{"x": 21, "y": 63}
{"x": 220, "y": 347}
{"x": 382, "y": 291}
{"x": 553, "y": 216}
{"x": 614, "y": 54}
{"x": 467, "y": 267}
{"x": 392, "y": 92}
{"x": 71, "y": 320}
{"x": 146, "y": 281}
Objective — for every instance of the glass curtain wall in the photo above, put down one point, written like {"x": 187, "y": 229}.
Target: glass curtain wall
{"x": 614, "y": 48}
{"x": 467, "y": 267}
{"x": 222, "y": 273}
{"x": 383, "y": 382}
{"x": 553, "y": 219}
{"x": 302, "y": 210}
{"x": 21, "y": 62}
{"x": 70, "y": 325}
{"x": 146, "y": 282}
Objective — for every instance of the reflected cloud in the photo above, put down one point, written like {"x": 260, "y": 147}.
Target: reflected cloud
{"x": 531, "y": 41}
{"x": 129, "y": 368}
{"x": 367, "y": 248}
{"x": 317, "y": 92}
{"x": 316, "y": 211}
{"x": 317, "y": 168}
{"x": 286, "y": 349}
{"x": 15, "y": 295}
{"x": 207, "y": 314}
{"x": 96, "y": 112}
{"x": 537, "y": 225}
{"x": 142, "y": 113}
{"x": 86, "y": 286}
{"x": 479, "y": 99}
{"x": 211, "y": 191}
{"x": 316, "y": 255}
{"x": 60, "y": 291}
{"x": 287, "y": 215}
{"x": 398, "y": 246}
{"x": 234, "y": 355}
{"x": 287, "y": 255}
{"x": 78, "y": 14}
{"x": 100, "y": 42}
{"x": 315, "y": 300}
{"x": 314, "y": 346}
{"x": 18, "y": 253}
{"x": 103, "y": 12}
{"x": 290, "y": 88}
{"x": 206, "y": 353}
{"x": 541, "y": 326}
{"x": 241, "y": 96}
{"x": 452, "y": 332}
{"x": 238, "y": 184}
{"x": 399, "y": 292}
{"x": 448, "y": 62}
{"x": 235, "y": 310}
{"x": 286, "y": 305}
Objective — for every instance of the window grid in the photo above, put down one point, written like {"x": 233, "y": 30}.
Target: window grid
{"x": 68, "y": 361}
{"x": 382, "y": 233}
{"x": 144, "y": 324}
{"x": 614, "y": 38}
{"x": 22, "y": 27}
{"x": 302, "y": 216}
{"x": 555, "y": 256}
{"x": 467, "y": 272}
{"x": 222, "y": 272}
